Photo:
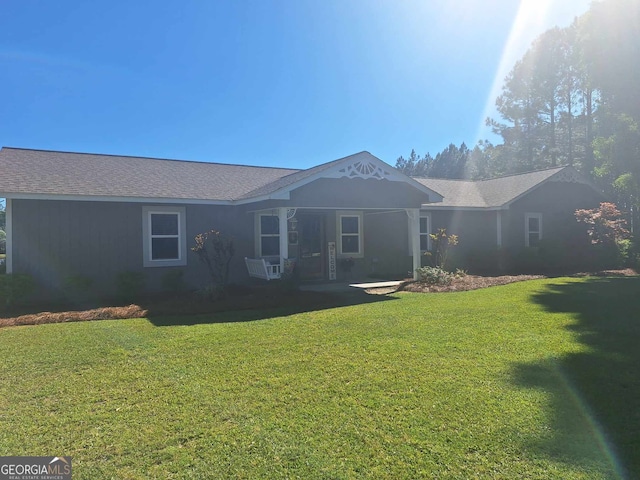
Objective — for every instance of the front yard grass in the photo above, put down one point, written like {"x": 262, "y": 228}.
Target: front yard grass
{"x": 530, "y": 380}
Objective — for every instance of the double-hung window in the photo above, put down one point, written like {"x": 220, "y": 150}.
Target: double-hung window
{"x": 269, "y": 236}
{"x": 532, "y": 229}
{"x": 350, "y": 237}
{"x": 164, "y": 236}
{"x": 425, "y": 231}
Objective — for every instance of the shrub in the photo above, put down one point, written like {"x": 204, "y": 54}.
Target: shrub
{"x": 346, "y": 264}
{"x": 15, "y": 288}
{"x": 605, "y": 224}
{"x": 78, "y": 283}
{"x": 215, "y": 250}
{"x": 3, "y": 242}
{"x": 173, "y": 281}
{"x": 129, "y": 285}
{"x": 441, "y": 243}
{"x": 625, "y": 253}
{"x": 460, "y": 273}
{"x": 434, "y": 276}
{"x": 76, "y": 288}
{"x": 213, "y": 292}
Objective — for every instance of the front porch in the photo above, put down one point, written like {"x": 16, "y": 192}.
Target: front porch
{"x": 340, "y": 245}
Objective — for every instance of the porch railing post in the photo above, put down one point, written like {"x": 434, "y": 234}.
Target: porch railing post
{"x": 414, "y": 222}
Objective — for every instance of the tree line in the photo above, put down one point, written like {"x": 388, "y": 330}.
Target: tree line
{"x": 572, "y": 99}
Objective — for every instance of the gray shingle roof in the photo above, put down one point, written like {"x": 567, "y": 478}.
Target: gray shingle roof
{"x": 492, "y": 193}
{"x": 42, "y": 172}
{"x": 81, "y": 174}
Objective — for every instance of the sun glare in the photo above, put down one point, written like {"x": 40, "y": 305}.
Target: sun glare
{"x": 533, "y": 18}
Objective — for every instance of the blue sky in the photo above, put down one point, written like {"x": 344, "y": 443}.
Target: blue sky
{"x": 283, "y": 83}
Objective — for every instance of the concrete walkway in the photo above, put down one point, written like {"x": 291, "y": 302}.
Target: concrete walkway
{"x": 348, "y": 287}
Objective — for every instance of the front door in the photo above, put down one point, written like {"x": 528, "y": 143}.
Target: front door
{"x": 311, "y": 248}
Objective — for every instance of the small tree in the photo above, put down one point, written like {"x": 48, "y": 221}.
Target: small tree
{"x": 215, "y": 250}
{"x": 442, "y": 242}
{"x": 605, "y": 224}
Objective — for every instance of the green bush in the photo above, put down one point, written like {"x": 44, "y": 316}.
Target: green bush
{"x": 78, "y": 284}
{"x": 434, "y": 276}
{"x": 77, "y": 288}
{"x": 173, "y": 281}
{"x": 129, "y": 285}
{"x": 3, "y": 242}
{"x": 626, "y": 253}
{"x": 213, "y": 292}
{"x": 15, "y": 288}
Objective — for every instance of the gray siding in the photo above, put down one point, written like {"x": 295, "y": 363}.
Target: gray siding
{"x": 477, "y": 231}
{"x": 386, "y": 243}
{"x": 55, "y": 240}
{"x": 557, "y": 202}
{"x": 357, "y": 193}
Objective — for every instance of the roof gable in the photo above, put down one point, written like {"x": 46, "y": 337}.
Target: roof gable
{"x": 360, "y": 165}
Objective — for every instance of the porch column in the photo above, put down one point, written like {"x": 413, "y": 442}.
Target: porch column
{"x": 9, "y": 231}
{"x": 284, "y": 237}
{"x": 414, "y": 228}
{"x": 499, "y": 228}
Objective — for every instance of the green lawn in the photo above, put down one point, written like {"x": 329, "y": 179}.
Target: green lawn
{"x": 531, "y": 380}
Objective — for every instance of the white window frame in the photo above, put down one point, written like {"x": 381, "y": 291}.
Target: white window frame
{"x": 260, "y": 235}
{"x": 349, "y": 213}
{"x": 528, "y": 232}
{"x": 147, "y": 236}
{"x": 427, "y": 233}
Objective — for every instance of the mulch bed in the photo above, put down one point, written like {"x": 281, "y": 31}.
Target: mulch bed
{"x": 468, "y": 282}
{"x": 474, "y": 282}
{"x": 106, "y": 313}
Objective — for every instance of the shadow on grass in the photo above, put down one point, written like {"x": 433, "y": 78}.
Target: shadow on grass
{"x": 595, "y": 393}
{"x": 256, "y": 307}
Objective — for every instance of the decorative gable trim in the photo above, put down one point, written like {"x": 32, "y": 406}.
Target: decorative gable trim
{"x": 569, "y": 175}
{"x": 361, "y": 165}
{"x": 366, "y": 169}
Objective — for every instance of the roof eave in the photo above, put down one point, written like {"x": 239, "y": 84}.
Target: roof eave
{"x": 107, "y": 198}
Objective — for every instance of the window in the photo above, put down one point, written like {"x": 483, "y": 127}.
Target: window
{"x": 164, "y": 233}
{"x": 425, "y": 230}
{"x": 532, "y": 229}
{"x": 269, "y": 236}
{"x": 350, "y": 234}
